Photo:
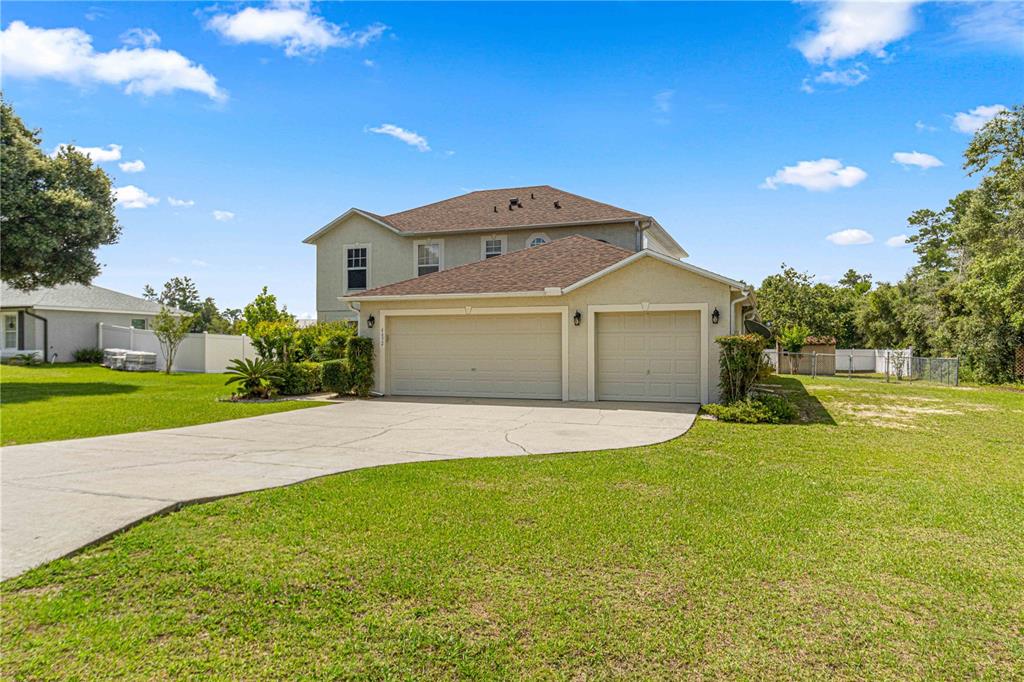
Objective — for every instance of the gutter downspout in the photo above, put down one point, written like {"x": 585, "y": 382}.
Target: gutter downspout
{"x": 46, "y": 334}
{"x": 732, "y": 308}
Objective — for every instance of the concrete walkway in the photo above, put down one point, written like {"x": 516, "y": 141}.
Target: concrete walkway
{"x": 60, "y": 496}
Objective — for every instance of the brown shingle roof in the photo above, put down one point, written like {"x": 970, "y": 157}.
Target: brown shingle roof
{"x": 489, "y": 209}
{"x": 556, "y": 264}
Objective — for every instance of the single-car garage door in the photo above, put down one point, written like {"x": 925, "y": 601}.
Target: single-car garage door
{"x": 648, "y": 356}
{"x": 480, "y": 356}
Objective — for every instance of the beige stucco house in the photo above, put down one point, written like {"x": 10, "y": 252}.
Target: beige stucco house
{"x": 54, "y": 322}
{"x": 528, "y": 292}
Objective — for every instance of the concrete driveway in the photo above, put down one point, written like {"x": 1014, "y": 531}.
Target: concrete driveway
{"x": 60, "y": 496}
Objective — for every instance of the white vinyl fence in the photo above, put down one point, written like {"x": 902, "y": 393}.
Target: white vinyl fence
{"x": 858, "y": 359}
{"x": 207, "y": 353}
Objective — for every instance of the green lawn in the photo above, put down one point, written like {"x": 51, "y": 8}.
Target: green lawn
{"x": 54, "y": 402}
{"x": 881, "y": 538}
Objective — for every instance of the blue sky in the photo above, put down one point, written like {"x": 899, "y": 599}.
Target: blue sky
{"x": 751, "y": 131}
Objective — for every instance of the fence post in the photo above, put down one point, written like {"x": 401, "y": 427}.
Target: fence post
{"x": 131, "y": 338}
{"x": 956, "y": 372}
{"x": 814, "y": 364}
{"x": 887, "y": 367}
{"x": 849, "y": 371}
{"x": 99, "y": 337}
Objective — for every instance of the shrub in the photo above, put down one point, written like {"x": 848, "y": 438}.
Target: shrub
{"x": 359, "y": 356}
{"x": 298, "y": 378}
{"x": 742, "y": 363}
{"x": 27, "y": 359}
{"x": 335, "y": 376}
{"x": 763, "y": 408}
{"x": 92, "y": 355}
{"x": 256, "y": 377}
{"x": 273, "y": 340}
{"x": 322, "y": 341}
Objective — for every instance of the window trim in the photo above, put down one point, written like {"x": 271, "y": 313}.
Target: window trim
{"x": 536, "y": 235}
{"x": 133, "y": 320}
{"x": 17, "y": 328}
{"x": 416, "y": 255}
{"x": 503, "y": 238}
{"x": 344, "y": 266}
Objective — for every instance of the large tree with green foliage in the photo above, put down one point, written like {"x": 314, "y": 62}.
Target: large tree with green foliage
{"x": 54, "y": 211}
{"x": 183, "y": 294}
{"x": 263, "y": 308}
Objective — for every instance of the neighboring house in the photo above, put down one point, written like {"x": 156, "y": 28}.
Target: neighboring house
{"x": 62, "y": 319}
{"x": 528, "y": 292}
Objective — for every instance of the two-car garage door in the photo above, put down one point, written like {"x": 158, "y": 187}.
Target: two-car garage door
{"x": 648, "y": 356}
{"x": 482, "y": 356}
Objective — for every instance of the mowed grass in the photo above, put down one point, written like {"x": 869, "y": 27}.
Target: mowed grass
{"x": 881, "y": 538}
{"x": 55, "y": 402}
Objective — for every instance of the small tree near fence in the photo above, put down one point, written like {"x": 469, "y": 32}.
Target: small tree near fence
{"x": 792, "y": 340}
{"x": 742, "y": 363}
{"x": 170, "y": 330}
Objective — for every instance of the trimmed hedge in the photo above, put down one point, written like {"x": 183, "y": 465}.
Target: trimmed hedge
{"x": 359, "y": 357}
{"x": 763, "y": 408}
{"x": 335, "y": 376}
{"x": 299, "y": 378}
{"x": 91, "y": 355}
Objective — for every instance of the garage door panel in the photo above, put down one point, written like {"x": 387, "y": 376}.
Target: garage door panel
{"x": 499, "y": 356}
{"x": 648, "y": 356}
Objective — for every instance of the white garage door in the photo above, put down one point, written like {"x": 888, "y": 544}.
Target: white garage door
{"x": 482, "y": 356}
{"x": 648, "y": 356}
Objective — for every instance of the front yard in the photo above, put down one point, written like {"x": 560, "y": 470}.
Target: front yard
{"x": 55, "y": 402}
{"x": 880, "y": 538}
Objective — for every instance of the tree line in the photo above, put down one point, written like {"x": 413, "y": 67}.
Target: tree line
{"x": 965, "y": 295}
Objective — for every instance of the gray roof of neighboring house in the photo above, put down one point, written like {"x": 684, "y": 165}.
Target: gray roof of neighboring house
{"x": 76, "y": 296}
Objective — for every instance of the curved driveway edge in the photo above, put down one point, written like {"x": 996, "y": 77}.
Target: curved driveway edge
{"x": 60, "y": 496}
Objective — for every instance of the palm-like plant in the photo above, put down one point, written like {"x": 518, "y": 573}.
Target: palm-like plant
{"x": 253, "y": 375}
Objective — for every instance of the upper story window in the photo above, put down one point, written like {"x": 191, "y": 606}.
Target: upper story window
{"x": 537, "y": 239}
{"x": 429, "y": 257}
{"x": 357, "y": 267}
{"x": 492, "y": 246}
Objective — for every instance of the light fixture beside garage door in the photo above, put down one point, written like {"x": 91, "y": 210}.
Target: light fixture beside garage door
{"x": 576, "y": 318}
{"x": 714, "y": 317}
{"x": 371, "y": 320}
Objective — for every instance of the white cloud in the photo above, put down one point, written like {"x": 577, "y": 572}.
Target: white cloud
{"x": 923, "y": 127}
{"x": 919, "y": 159}
{"x": 131, "y": 196}
{"x": 847, "y": 78}
{"x": 67, "y": 54}
{"x": 805, "y": 86}
{"x": 407, "y": 136}
{"x": 663, "y": 101}
{"x": 112, "y": 152}
{"x": 132, "y": 166}
{"x": 180, "y": 203}
{"x": 369, "y": 63}
{"x": 822, "y": 175}
{"x": 897, "y": 242}
{"x": 140, "y": 37}
{"x": 991, "y": 25}
{"x": 848, "y": 28}
{"x": 223, "y": 216}
{"x": 973, "y": 120}
{"x": 850, "y": 237}
{"x": 292, "y": 25}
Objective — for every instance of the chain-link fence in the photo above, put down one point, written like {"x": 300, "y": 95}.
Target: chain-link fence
{"x": 895, "y": 366}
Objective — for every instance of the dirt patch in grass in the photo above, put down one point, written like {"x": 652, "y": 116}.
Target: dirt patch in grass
{"x": 893, "y": 416}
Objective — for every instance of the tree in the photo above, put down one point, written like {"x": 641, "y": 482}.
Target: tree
{"x": 170, "y": 331}
{"x": 263, "y": 308}
{"x": 54, "y": 211}
{"x": 179, "y": 292}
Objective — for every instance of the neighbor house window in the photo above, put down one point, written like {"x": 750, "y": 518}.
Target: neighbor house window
{"x": 491, "y": 246}
{"x": 139, "y": 324}
{"x": 537, "y": 240}
{"x": 428, "y": 257}
{"x": 357, "y": 266}
{"x": 11, "y": 331}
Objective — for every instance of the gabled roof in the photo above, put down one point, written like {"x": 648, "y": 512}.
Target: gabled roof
{"x": 556, "y": 264}
{"x": 555, "y": 268}
{"x": 491, "y": 210}
{"x": 77, "y": 297}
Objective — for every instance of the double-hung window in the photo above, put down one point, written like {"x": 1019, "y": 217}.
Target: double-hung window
{"x": 11, "y": 330}
{"x": 428, "y": 257}
{"x": 357, "y": 267}
{"x": 492, "y": 246}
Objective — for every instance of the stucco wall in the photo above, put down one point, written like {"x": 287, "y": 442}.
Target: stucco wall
{"x": 69, "y": 331}
{"x": 392, "y": 256}
{"x": 648, "y": 280}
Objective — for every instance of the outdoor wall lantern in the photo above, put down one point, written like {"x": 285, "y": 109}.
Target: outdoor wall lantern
{"x": 576, "y": 319}
{"x": 714, "y": 317}
{"x": 371, "y": 320}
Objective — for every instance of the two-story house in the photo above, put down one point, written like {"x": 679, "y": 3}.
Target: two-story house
{"x": 475, "y": 296}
